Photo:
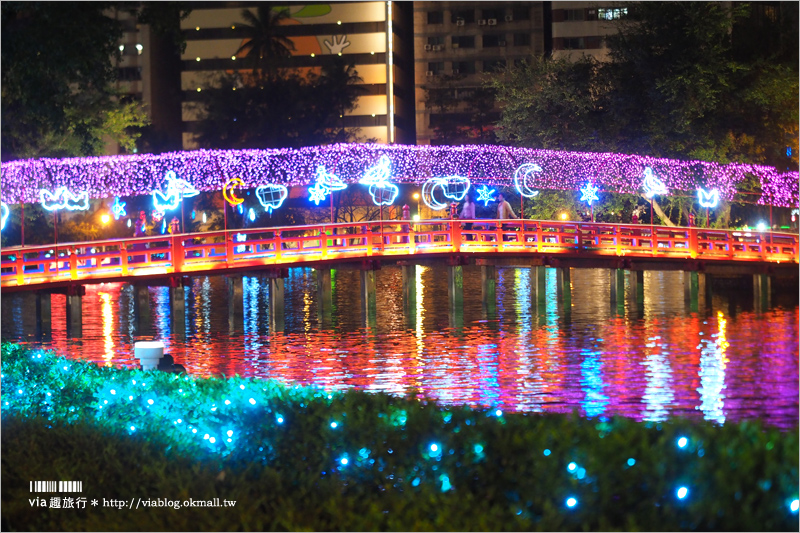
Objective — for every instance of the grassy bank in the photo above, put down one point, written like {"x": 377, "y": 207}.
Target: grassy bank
{"x": 302, "y": 458}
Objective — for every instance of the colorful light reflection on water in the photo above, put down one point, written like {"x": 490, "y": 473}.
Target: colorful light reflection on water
{"x": 726, "y": 362}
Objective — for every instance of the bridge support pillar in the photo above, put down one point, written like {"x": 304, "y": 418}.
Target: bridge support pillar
{"x": 368, "y": 301}
{"x": 563, "y": 284}
{"x": 74, "y": 315}
{"x": 691, "y": 290}
{"x": 44, "y": 321}
{"x": 617, "y": 286}
{"x": 141, "y": 302}
{"x": 455, "y": 286}
{"x": 409, "y": 289}
{"x": 707, "y": 289}
{"x": 636, "y": 279}
{"x": 489, "y": 287}
{"x": 177, "y": 305}
{"x": 762, "y": 288}
{"x": 538, "y": 287}
{"x": 277, "y": 309}
{"x": 324, "y": 293}
{"x": 235, "y": 301}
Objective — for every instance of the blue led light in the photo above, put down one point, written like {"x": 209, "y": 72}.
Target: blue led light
{"x": 498, "y": 413}
{"x": 334, "y": 425}
{"x": 682, "y": 442}
{"x": 581, "y": 473}
{"x": 343, "y": 460}
{"x": 434, "y": 447}
{"x": 280, "y": 420}
{"x": 572, "y": 467}
{"x": 251, "y": 215}
{"x": 445, "y": 482}
{"x": 571, "y": 502}
{"x": 795, "y": 505}
{"x": 478, "y": 448}
{"x": 415, "y": 483}
{"x": 133, "y": 428}
{"x": 212, "y": 440}
{"x": 227, "y": 402}
{"x": 682, "y": 492}
{"x": 546, "y": 452}
{"x": 252, "y": 401}
{"x": 151, "y": 402}
{"x": 631, "y": 461}
{"x": 113, "y": 391}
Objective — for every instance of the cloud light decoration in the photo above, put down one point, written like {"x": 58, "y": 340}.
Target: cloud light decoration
{"x": 271, "y": 196}
{"x": 454, "y": 188}
{"x": 377, "y": 177}
{"x": 494, "y": 166}
{"x": 4, "y": 213}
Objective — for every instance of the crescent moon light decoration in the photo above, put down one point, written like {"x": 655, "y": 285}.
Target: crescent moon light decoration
{"x": 377, "y": 177}
{"x": 271, "y": 196}
{"x": 228, "y": 191}
{"x": 652, "y": 185}
{"x": 521, "y": 176}
{"x": 428, "y": 190}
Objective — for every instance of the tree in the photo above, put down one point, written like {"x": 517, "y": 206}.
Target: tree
{"x": 460, "y": 114}
{"x": 58, "y": 71}
{"x": 264, "y": 46}
{"x": 286, "y": 111}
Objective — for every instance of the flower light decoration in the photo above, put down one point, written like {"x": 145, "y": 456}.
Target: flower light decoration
{"x": 271, "y": 196}
{"x": 522, "y": 176}
{"x": 709, "y": 199}
{"x": 64, "y": 199}
{"x": 377, "y": 177}
{"x": 4, "y": 213}
{"x": 177, "y": 190}
{"x": 485, "y": 195}
{"x": 652, "y": 185}
{"x": 118, "y": 209}
{"x": 454, "y": 188}
{"x": 589, "y": 193}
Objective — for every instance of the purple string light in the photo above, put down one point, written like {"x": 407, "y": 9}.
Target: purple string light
{"x": 207, "y": 170}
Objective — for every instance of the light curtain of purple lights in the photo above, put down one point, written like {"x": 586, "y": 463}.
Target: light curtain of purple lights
{"x": 207, "y": 170}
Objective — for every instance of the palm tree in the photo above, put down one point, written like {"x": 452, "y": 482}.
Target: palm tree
{"x": 264, "y": 45}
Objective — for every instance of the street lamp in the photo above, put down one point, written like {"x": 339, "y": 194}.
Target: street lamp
{"x": 416, "y": 197}
{"x": 563, "y": 216}
{"x": 104, "y": 218}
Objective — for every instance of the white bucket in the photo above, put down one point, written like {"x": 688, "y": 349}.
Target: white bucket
{"x": 148, "y": 353}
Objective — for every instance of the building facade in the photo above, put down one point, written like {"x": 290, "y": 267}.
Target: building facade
{"x": 375, "y": 36}
{"x": 456, "y": 46}
{"x": 579, "y": 28}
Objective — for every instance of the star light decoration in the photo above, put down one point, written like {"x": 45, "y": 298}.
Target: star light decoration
{"x": 139, "y": 174}
{"x": 485, "y": 195}
{"x": 589, "y": 193}
{"x": 118, "y": 209}
{"x": 325, "y": 184}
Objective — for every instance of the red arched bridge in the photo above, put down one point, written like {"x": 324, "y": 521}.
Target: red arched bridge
{"x": 555, "y": 243}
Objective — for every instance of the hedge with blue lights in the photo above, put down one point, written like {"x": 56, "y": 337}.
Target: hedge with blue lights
{"x": 303, "y": 458}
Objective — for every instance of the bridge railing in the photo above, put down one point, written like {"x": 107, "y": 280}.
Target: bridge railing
{"x": 200, "y": 252}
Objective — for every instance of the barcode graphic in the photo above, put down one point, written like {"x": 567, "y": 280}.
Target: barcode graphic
{"x": 70, "y": 486}
{"x": 56, "y": 486}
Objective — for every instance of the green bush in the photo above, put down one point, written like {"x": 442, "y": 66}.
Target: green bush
{"x": 284, "y": 463}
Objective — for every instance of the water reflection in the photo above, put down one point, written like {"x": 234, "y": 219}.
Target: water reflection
{"x": 644, "y": 362}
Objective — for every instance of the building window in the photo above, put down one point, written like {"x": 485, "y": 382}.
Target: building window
{"x": 463, "y": 41}
{"x": 493, "y": 65}
{"x": 493, "y": 41}
{"x": 433, "y": 41}
{"x": 435, "y": 17}
{"x": 436, "y": 67}
{"x": 574, "y": 15}
{"x": 464, "y": 67}
{"x": 491, "y": 14}
{"x": 467, "y": 16}
{"x": 129, "y": 73}
{"x": 521, "y": 13}
{"x": 612, "y": 14}
{"x": 522, "y": 39}
{"x": 574, "y": 43}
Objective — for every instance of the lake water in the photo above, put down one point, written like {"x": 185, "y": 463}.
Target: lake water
{"x": 725, "y": 362}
